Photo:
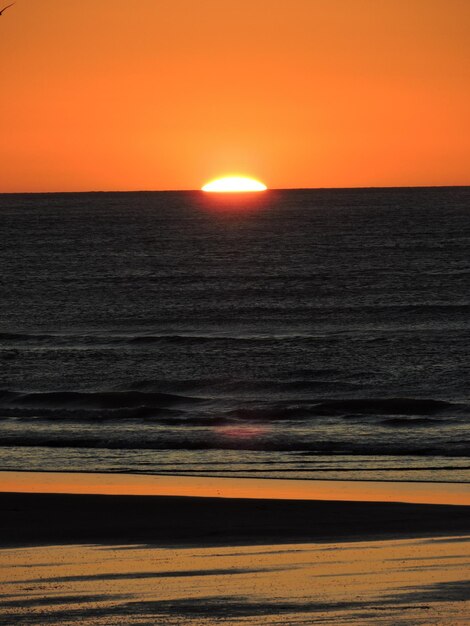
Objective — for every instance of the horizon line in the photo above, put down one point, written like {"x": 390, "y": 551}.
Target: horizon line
{"x": 359, "y": 187}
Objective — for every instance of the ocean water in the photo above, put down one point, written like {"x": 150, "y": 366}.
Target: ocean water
{"x": 295, "y": 334}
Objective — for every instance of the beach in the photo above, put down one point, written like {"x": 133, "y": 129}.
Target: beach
{"x": 420, "y": 581}
{"x": 94, "y": 558}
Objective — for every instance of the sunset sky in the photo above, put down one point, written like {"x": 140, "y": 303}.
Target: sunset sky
{"x": 168, "y": 94}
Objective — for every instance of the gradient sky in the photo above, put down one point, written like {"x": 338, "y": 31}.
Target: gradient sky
{"x": 167, "y": 94}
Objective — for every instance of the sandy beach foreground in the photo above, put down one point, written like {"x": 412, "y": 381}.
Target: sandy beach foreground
{"x": 420, "y": 581}
{"x": 97, "y": 558}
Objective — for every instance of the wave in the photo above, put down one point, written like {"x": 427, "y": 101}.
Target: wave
{"x": 26, "y": 336}
{"x": 221, "y": 442}
{"x": 178, "y": 385}
{"x": 387, "y": 406}
{"x": 411, "y": 422}
{"x": 197, "y": 339}
{"x": 272, "y": 413}
{"x": 93, "y": 400}
{"x": 223, "y": 401}
{"x": 253, "y": 334}
{"x": 142, "y": 413}
{"x": 56, "y": 337}
{"x": 229, "y": 385}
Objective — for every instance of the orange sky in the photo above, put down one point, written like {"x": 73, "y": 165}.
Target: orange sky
{"x": 167, "y": 94}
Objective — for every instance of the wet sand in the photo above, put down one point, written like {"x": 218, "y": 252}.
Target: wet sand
{"x": 29, "y": 519}
{"x": 72, "y": 508}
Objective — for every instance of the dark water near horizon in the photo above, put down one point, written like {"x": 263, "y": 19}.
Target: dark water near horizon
{"x": 300, "y": 333}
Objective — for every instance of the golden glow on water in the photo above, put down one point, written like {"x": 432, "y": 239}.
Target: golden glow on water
{"x": 234, "y": 184}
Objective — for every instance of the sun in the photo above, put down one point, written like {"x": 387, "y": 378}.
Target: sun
{"x": 234, "y": 184}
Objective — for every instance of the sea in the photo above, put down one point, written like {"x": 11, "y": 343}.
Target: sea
{"x": 312, "y": 334}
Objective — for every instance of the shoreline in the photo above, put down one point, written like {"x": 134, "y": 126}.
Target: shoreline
{"x": 123, "y": 484}
{"x": 198, "y": 475}
{"x": 40, "y": 509}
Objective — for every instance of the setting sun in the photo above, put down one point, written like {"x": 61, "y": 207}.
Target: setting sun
{"x": 234, "y": 184}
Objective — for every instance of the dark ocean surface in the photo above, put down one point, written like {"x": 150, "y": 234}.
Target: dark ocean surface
{"x": 296, "y": 334}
